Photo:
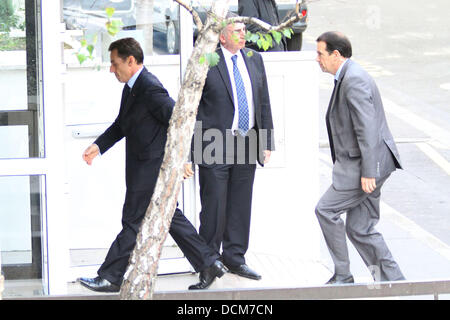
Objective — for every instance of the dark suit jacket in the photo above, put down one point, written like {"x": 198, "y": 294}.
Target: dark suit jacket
{"x": 360, "y": 140}
{"x": 216, "y": 108}
{"x": 143, "y": 120}
{"x": 267, "y": 11}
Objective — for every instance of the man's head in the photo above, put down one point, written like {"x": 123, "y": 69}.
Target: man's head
{"x": 332, "y": 50}
{"x": 126, "y": 58}
{"x": 232, "y": 37}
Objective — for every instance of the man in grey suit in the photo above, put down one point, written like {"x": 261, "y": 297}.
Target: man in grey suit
{"x": 364, "y": 155}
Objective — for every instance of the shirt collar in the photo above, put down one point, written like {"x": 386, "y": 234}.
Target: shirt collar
{"x": 336, "y": 76}
{"x": 133, "y": 79}
{"x": 227, "y": 54}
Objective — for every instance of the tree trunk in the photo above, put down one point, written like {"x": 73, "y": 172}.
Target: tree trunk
{"x": 140, "y": 277}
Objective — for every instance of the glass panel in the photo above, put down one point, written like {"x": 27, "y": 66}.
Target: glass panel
{"x": 154, "y": 23}
{"x": 21, "y": 254}
{"x": 122, "y": 5}
{"x": 21, "y": 120}
{"x": 91, "y": 102}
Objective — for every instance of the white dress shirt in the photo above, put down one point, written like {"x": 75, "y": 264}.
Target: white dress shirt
{"x": 130, "y": 84}
{"x": 133, "y": 79}
{"x": 336, "y": 76}
{"x": 247, "y": 84}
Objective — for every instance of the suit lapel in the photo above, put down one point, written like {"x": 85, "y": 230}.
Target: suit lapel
{"x": 132, "y": 96}
{"x": 223, "y": 70}
{"x": 251, "y": 73}
{"x": 337, "y": 86}
{"x": 331, "y": 105}
{"x": 333, "y": 97}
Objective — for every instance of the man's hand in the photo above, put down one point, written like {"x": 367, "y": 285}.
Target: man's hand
{"x": 188, "y": 170}
{"x": 368, "y": 184}
{"x": 267, "y": 154}
{"x": 90, "y": 153}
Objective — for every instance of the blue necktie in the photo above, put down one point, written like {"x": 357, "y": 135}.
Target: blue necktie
{"x": 243, "y": 122}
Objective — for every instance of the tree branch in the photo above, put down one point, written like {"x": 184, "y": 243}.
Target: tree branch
{"x": 198, "y": 22}
{"x": 267, "y": 27}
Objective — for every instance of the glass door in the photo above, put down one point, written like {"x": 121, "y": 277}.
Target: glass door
{"x": 22, "y": 148}
{"x": 91, "y": 103}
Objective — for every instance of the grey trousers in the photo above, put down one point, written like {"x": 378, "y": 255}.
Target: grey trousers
{"x": 363, "y": 213}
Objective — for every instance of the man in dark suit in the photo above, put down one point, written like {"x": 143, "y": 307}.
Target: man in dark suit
{"x": 235, "y": 109}
{"x": 144, "y": 115}
{"x": 264, "y": 10}
{"x": 364, "y": 155}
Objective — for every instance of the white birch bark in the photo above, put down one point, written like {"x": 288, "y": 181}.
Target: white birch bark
{"x": 140, "y": 277}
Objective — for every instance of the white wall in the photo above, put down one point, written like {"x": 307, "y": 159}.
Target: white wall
{"x": 96, "y": 193}
{"x": 287, "y": 189}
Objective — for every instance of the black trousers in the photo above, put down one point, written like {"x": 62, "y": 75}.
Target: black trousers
{"x": 226, "y": 199}
{"x": 182, "y": 231}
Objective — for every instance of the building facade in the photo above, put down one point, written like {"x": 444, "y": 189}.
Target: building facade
{"x": 57, "y": 95}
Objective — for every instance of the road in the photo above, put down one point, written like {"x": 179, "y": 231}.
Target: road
{"x": 405, "y": 46}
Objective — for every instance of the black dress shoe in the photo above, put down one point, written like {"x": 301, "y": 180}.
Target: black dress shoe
{"x": 208, "y": 276}
{"x": 337, "y": 279}
{"x": 244, "y": 271}
{"x": 99, "y": 284}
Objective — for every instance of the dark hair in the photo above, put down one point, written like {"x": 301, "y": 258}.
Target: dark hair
{"x": 128, "y": 47}
{"x": 230, "y": 15}
{"x": 336, "y": 41}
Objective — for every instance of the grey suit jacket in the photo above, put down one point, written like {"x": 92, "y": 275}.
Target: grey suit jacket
{"x": 360, "y": 141}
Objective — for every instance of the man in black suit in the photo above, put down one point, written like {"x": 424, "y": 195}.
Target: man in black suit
{"x": 144, "y": 115}
{"x": 264, "y": 10}
{"x": 235, "y": 109}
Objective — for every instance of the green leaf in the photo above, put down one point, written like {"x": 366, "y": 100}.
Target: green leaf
{"x": 235, "y": 38}
{"x": 90, "y": 49}
{"x": 83, "y": 42}
{"x": 260, "y": 42}
{"x": 81, "y": 58}
{"x": 248, "y": 35}
{"x": 212, "y": 58}
{"x": 287, "y": 32}
{"x": 251, "y": 37}
{"x": 114, "y": 26}
{"x": 277, "y": 36}
{"x": 267, "y": 43}
{"x": 110, "y": 11}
